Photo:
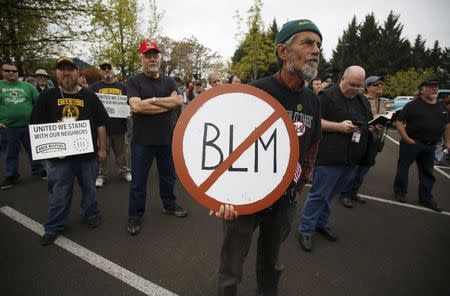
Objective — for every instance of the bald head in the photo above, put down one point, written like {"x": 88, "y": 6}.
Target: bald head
{"x": 352, "y": 81}
{"x": 355, "y": 71}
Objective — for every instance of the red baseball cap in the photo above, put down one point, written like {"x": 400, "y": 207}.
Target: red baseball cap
{"x": 148, "y": 45}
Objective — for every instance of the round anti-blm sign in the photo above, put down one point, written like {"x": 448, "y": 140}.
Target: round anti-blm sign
{"x": 235, "y": 144}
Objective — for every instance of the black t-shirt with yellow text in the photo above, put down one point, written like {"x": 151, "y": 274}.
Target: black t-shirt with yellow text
{"x": 55, "y": 106}
{"x": 114, "y": 125}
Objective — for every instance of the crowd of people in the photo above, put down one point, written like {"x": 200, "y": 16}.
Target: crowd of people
{"x": 338, "y": 139}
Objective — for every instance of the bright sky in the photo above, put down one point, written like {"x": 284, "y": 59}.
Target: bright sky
{"x": 213, "y": 24}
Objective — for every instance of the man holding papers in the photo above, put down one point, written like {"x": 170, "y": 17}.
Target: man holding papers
{"x": 71, "y": 103}
{"x": 116, "y": 127}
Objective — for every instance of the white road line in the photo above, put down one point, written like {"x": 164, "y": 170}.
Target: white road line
{"x": 132, "y": 279}
{"x": 392, "y": 202}
{"x": 436, "y": 167}
{"x": 393, "y": 140}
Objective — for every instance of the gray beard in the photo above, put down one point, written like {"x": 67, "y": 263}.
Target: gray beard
{"x": 68, "y": 84}
{"x": 152, "y": 69}
{"x": 306, "y": 72}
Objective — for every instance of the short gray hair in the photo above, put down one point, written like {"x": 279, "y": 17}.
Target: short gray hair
{"x": 286, "y": 43}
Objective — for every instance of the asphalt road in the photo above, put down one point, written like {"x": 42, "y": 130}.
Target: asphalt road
{"x": 385, "y": 248}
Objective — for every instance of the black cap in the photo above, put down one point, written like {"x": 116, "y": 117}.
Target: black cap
{"x": 429, "y": 82}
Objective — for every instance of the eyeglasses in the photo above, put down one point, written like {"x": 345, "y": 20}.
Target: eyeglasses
{"x": 9, "y": 71}
{"x": 355, "y": 85}
{"x": 105, "y": 67}
{"x": 377, "y": 84}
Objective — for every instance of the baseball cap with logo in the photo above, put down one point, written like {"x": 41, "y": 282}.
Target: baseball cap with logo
{"x": 291, "y": 28}
{"x": 41, "y": 72}
{"x": 148, "y": 45}
{"x": 65, "y": 60}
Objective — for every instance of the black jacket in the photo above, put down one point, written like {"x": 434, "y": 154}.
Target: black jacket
{"x": 337, "y": 148}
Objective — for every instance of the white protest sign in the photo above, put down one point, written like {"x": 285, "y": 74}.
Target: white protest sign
{"x": 235, "y": 144}
{"x": 115, "y": 105}
{"x": 50, "y": 140}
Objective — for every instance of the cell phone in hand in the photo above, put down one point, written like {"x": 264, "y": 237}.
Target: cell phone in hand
{"x": 358, "y": 123}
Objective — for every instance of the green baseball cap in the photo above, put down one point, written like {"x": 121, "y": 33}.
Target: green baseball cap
{"x": 293, "y": 27}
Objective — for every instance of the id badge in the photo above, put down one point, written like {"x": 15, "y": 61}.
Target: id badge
{"x": 356, "y": 137}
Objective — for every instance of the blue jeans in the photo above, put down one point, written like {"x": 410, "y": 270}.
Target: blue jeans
{"x": 14, "y": 136}
{"x": 352, "y": 188}
{"x": 424, "y": 157}
{"x": 328, "y": 182}
{"x": 61, "y": 175}
{"x": 141, "y": 161}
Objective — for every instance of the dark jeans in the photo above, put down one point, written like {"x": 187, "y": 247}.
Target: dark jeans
{"x": 141, "y": 161}
{"x": 274, "y": 226}
{"x": 61, "y": 175}
{"x": 351, "y": 190}
{"x": 13, "y": 137}
{"x": 424, "y": 157}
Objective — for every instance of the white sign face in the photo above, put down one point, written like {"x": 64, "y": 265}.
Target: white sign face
{"x": 51, "y": 140}
{"x": 115, "y": 105}
{"x": 237, "y": 147}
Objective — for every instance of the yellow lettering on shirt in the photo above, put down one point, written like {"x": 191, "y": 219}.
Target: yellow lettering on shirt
{"x": 110, "y": 91}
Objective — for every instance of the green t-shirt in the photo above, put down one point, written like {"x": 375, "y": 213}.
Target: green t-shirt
{"x": 16, "y": 102}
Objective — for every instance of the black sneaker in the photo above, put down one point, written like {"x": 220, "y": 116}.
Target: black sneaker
{"x": 177, "y": 212}
{"x": 48, "y": 239}
{"x": 327, "y": 233}
{"x": 431, "y": 205}
{"x": 400, "y": 197}
{"x": 346, "y": 201}
{"x": 94, "y": 222}
{"x": 133, "y": 226}
{"x": 8, "y": 183}
{"x": 305, "y": 242}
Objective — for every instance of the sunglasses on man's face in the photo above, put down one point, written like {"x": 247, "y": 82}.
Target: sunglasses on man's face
{"x": 105, "y": 67}
{"x": 377, "y": 84}
{"x": 9, "y": 71}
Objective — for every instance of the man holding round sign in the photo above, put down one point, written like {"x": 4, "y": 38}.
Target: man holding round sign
{"x": 240, "y": 158}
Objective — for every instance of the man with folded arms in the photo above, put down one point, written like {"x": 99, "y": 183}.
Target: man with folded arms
{"x": 153, "y": 98}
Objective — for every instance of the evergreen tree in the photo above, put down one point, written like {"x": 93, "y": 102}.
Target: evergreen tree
{"x": 369, "y": 37}
{"x": 272, "y": 34}
{"x": 323, "y": 71}
{"x": 393, "y": 48}
{"x": 418, "y": 53}
{"x": 346, "y": 52}
{"x": 435, "y": 58}
{"x": 444, "y": 69}
{"x": 258, "y": 47}
{"x": 273, "y": 30}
